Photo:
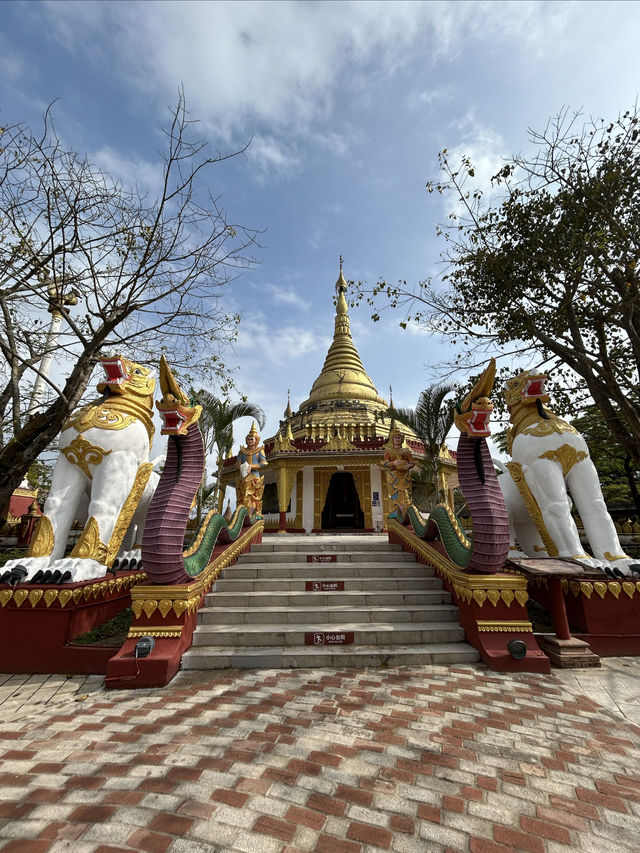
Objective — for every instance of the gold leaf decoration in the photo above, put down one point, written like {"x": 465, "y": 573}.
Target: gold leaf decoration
{"x": 507, "y": 596}
{"x": 65, "y": 594}
{"x": 600, "y": 588}
{"x": 522, "y": 596}
{"x": 136, "y": 606}
{"x": 494, "y": 596}
{"x": 479, "y": 596}
{"x": 586, "y": 588}
{"x": 89, "y": 546}
{"x": 566, "y": 455}
{"x": 43, "y": 539}
{"x": 34, "y": 596}
{"x": 112, "y": 585}
{"x": 150, "y": 606}
{"x": 5, "y": 596}
{"x": 77, "y": 594}
{"x": 179, "y": 607}
{"x": 629, "y": 588}
{"x": 574, "y": 586}
{"x": 19, "y": 596}
{"x": 95, "y": 589}
{"x": 82, "y": 453}
{"x": 50, "y": 596}
{"x": 87, "y": 592}
{"x": 164, "y": 606}
{"x": 614, "y": 588}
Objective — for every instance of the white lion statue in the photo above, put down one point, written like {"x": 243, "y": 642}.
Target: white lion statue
{"x": 550, "y": 460}
{"x": 102, "y": 476}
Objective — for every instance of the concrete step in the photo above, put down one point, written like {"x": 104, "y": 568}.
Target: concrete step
{"x": 332, "y": 570}
{"x": 287, "y": 557}
{"x": 376, "y": 576}
{"x": 320, "y": 545}
{"x": 271, "y": 657}
{"x": 360, "y": 596}
{"x": 299, "y": 584}
{"x": 334, "y": 614}
{"x": 365, "y": 633}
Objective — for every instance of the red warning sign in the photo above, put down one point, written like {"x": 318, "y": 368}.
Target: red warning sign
{"x": 322, "y": 558}
{"x": 324, "y": 586}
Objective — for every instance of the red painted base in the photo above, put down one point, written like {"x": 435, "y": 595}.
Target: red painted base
{"x": 610, "y": 625}
{"x": 492, "y": 646}
{"x": 37, "y": 639}
{"x": 125, "y": 671}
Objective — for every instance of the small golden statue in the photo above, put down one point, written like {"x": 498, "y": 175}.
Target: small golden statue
{"x": 398, "y": 462}
{"x": 250, "y": 484}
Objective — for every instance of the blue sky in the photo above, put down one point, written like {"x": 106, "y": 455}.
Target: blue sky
{"x": 347, "y": 105}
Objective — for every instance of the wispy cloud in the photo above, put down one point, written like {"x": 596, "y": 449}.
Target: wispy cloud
{"x": 279, "y": 346}
{"x": 269, "y": 157}
{"x": 286, "y": 296}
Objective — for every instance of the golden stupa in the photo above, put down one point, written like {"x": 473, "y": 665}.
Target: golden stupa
{"x": 324, "y": 462}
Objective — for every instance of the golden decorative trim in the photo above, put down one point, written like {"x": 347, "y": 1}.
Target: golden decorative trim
{"x": 515, "y": 626}
{"x": 128, "y": 509}
{"x": 566, "y": 455}
{"x": 165, "y": 631}
{"x": 467, "y": 588}
{"x": 82, "y": 453}
{"x": 34, "y": 596}
{"x": 188, "y": 597}
{"x": 89, "y": 546}
{"x": 43, "y": 539}
{"x": 613, "y": 557}
{"x": 114, "y": 413}
{"x": 515, "y": 469}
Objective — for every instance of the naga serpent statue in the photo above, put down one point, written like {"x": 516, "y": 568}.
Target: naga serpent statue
{"x": 488, "y": 546}
{"x": 163, "y": 557}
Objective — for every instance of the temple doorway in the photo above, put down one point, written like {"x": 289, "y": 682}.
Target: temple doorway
{"x": 342, "y": 510}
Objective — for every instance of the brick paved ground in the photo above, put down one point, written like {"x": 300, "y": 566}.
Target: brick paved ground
{"x": 428, "y": 759}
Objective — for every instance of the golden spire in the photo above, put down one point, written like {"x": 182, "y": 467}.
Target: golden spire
{"x": 287, "y": 411}
{"x": 343, "y": 376}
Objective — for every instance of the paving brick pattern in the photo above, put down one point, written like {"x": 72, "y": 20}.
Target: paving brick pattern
{"x": 427, "y": 759}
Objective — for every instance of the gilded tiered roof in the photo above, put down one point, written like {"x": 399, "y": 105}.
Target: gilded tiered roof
{"x": 343, "y": 410}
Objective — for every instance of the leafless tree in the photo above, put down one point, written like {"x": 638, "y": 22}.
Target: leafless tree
{"x": 140, "y": 273}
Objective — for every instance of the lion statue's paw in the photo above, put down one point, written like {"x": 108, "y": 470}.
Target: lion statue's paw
{"x": 81, "y": 569}
{"x": 129, "y": 560}
{"x": 31, "y": 564}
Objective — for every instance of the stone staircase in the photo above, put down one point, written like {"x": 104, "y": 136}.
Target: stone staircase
{"x": 333, "y": 601}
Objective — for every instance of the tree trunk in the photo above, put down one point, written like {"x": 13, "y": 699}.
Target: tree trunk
{"x": 41, "y": 429}
{"x": 630, "y": 472}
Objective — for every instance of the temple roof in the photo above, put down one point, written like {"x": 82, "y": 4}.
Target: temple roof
{"x": 343, "y": 376}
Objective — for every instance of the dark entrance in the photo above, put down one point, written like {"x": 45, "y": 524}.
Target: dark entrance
{"x": 342, "y": 507}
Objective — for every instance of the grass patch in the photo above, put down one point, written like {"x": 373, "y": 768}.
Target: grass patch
{"x": 112, "y": 633}
{"x": 11, "y": 554}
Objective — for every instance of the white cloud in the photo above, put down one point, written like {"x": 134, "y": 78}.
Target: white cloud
{"x": 246, "y": 64}
{"x": 281, "y": 346}
{"x": 131, "y": 171}
{"x": 268, "y": 157}
{"x": 286, "y": 296}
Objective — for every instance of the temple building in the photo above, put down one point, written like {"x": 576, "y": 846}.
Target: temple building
{"x": 324, "y": 463}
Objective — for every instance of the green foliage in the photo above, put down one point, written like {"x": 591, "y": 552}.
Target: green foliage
{"x": 39, "y": 476}
{"x": 547, "y": 270}
{"x": 216, "y": 424}
{"x": 619, "y": 476}
{"x": 431, "y": 421}
{"x": 113, "y": 632}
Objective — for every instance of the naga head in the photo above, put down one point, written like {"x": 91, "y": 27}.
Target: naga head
{"x": 126, "y": 378}
{"x": 472, "y": 414}
{"x": 176, "y": 409}
{"x": 526, "y": 389}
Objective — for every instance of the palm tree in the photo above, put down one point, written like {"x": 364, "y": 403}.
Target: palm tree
{"x": 216, "y": 425}
{"x": 431, "y": 421}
